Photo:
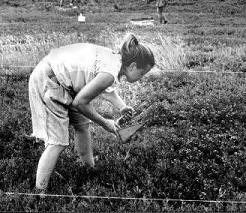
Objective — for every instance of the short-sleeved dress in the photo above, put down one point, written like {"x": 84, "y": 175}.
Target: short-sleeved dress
{"x": 57, "y": 79}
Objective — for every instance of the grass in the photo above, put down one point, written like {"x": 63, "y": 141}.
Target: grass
{"x": 193, "y": 146}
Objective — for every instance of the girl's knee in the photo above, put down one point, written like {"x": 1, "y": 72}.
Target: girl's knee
{"x": 55, "y": 148}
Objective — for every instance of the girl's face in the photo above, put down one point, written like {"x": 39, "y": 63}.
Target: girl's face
{"x": 133, "y": 73}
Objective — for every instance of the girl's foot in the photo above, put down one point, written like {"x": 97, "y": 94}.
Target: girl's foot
{"x": 88, "y": 161}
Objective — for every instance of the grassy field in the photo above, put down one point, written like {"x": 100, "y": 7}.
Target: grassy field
{"x": 193, "y": 144}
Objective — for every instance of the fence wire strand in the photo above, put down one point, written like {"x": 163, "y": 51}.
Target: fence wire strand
{"x": 122, "y": 198}
{"x": 169, "y": 70}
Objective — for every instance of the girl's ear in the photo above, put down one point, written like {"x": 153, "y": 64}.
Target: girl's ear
{"x": 132, "y": 66}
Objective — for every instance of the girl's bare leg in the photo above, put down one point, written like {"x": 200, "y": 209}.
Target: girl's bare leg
{"x": 47, "y": 164}
{"x": 83, "y": 145}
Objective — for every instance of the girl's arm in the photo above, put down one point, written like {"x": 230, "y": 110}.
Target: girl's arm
{"x": 88, "y": 93}
{"x": 114, "y": 99}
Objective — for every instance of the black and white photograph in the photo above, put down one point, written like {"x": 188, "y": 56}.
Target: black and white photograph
{"x": 122, "y": 105}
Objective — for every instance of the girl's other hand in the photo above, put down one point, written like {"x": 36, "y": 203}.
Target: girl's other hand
{"x": 127, "y": 110}
{"x": 126, "y": 115}
{"x": 111, "y": 126}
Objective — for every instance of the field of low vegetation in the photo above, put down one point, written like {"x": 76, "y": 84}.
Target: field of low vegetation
{"x": 193, "y": 145}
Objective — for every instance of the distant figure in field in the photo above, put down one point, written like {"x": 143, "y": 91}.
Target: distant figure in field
{"x": 160, "y": 5}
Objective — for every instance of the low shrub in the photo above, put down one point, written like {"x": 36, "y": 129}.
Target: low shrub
{"x": 192, "y": 147}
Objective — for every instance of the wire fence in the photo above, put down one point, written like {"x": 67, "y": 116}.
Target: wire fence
{"x": 43, "y": 195}
{"x": 3, "y": 70}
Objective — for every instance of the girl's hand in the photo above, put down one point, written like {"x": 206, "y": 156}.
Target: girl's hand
{"x": 126, "y": 115}
{"x": 127, "y": 110}
{"x": 111, "y": 126}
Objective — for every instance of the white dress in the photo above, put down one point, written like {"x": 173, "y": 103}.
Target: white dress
{"x": 57, "y": 79}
